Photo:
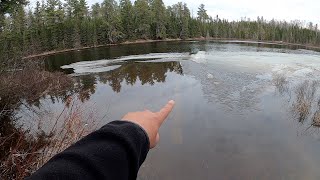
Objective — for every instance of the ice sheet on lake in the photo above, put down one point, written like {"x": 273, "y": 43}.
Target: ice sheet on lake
{"x": 82, "y": 70}
{"x": 199, "y": 57}
{"x": 242, "y": 74}
{"x": 105, "y": 65}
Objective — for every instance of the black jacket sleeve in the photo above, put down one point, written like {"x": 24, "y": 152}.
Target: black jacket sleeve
{"x": 116, "y": 151}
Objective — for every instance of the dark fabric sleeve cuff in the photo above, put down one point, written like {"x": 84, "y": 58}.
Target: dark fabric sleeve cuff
{"x": 136, "y": 136}
{"x": 144, "y": 131}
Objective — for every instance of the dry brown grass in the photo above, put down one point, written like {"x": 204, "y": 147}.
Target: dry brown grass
{"x": 316, "y": 116}
{"x": 302, "y": 109}
{"x": 280, "y": 82}
{"x": 23, "y": 151}
{"x": 28, "y": 85}
{"x": 77, "y": 121}
{"x": 24, "y": 84}
{"x": 28, "y": 152}
{"x": 316, "y": 119}
{"x": 303, "y": 102}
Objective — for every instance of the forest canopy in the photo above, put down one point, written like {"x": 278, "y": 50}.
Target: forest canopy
{"x": 56, "y": 25}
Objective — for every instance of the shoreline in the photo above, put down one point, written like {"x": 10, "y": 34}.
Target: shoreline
{"x": 48, "y": 53}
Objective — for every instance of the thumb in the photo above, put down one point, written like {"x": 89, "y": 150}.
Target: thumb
{"x": 156, "y": 142}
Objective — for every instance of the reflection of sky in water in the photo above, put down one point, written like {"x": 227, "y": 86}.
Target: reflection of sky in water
{"x": 233, "y": 117}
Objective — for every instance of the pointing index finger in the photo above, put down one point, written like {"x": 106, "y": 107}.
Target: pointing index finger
{"x": 165, "y": 111}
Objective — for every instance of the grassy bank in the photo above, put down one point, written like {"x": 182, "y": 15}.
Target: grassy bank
{"x": 23, "y": 152}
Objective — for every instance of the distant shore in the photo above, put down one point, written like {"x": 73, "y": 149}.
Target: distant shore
{"x": 141, "y": 41}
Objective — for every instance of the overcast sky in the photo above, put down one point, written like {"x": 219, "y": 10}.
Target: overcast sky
{"x": 305, "y": 10}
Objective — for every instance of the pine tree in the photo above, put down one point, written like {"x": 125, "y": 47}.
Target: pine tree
{"x": 96, "y": 19}
{"x": 158, "y": 21}
{"x": 126, "y": 13}
{"x": 110, "y": 31}
{"x": 52, "y": 25}
{"x": 203, "y": 18}
{"x": 184, "y": 33}
{"x": 179, "y": 15}
{"x": 10, "y": 6}
{"x": 142, "y": 19}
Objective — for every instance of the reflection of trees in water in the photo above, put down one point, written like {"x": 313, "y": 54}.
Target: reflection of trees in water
{"x": 58, "y": 87}
{"x": 24, "y": 89}
{"x": 305, "y": 98}
{"x": 85, "y": 86}
{"x": 128, "y": 72}
{"x": 18, "y": 147}
{"x": 145, "y": 72}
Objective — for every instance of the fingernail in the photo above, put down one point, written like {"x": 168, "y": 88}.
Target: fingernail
{"x": 171, "y": 102}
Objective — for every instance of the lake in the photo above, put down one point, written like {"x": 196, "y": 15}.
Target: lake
{"x": 243, "y": 110}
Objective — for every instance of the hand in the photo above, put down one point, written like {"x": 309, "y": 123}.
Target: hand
{"x": 150, "y": 121}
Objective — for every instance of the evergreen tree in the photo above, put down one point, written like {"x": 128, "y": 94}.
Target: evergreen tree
{"x": 8, "y": 6}
{"x": 142, "y": 19}
{"x": 203, "y": 18}
{"x": 54, "y": 25}
{"x": 110, "y": 31}
{"x": 126, "y": 14}
{"x": 158, "y": 21}
{"x": 179, "y": 16}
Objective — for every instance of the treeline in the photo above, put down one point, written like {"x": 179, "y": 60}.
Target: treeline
{"x": 57, "y": 25}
